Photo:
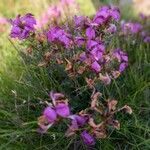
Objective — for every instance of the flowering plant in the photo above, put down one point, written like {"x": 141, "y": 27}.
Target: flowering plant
{"x": 82, "y": 49}
{"x": 82, "y": 122}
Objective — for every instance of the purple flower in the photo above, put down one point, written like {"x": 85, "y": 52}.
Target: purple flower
{"x": 55, "y": 96}
{"x": 120, "y": 55}
{"x": 102, "y": 15}
{"x": 96, "y": 67}
{"x": 144, "y": 34}
{"x": 87, "y": 138}
{"x": 105, "y": 13}
{"x": 62, "y": 110}
{"x": 133, "y": 28}
{"x": 147, "y": 39}
{"x": 79, "y": 21}
{"x": 143, "y": 16}
{"x": 79, "y": 41}
{"x": 80, "y": 120}
{"x": 97, "y": 54}
{"x": 92, "y": 44}
{"x": 22, "y": 26}
{"x": 83, "y": 56}
{"x": 50, "y": 114}
{"x": 56, "y": 34}
{"x": 123, "y": 66}
{"x": 90, "y": 33}
{"x": 136, "y": 27}
{"x": 115, "y": 13}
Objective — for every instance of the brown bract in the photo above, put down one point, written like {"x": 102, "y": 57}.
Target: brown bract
{"x": 43, "y": 64}
{"x": 81, "y": 70}
{"x": 40, "y": 37}
{"x": 48, "y": 55}
{"x": 115, "y": 74}
{"x": 69, "y": 65}
{"x": 90, "y": 82}
{"x": 114, "y": 123}
{"x": 128, "y": 109}
{"x": 94, "y": 98}
{"x": 42, "y": 120}
{"x": 29, "y": 50}
{"x": 98, "y": 129}
{"x": 111, "y": 105}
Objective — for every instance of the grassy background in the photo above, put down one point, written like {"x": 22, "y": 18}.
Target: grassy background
{"x": 23, "y": 88}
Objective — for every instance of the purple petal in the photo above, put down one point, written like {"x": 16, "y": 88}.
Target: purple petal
{"x": 83, "y": 56}
{"x": 62, "y": 110}
{"x": 55, "y": 96}
{"x": 79, "y": 21}
{"x": 56, "y": 34}
{"x": 91, "y": 44}
{"x": 96, "y": 54}
{"x": 79, "y": 41}
{"x": 87, "y": 138}
{"x": 122, "y": 67}
{"x": 90, "y": 33}
{"x": 50, "y": 114}
{"x": 96, "y": 67}
{"x": 147, "y": 39}
{"x": 115, "y": 13}
{"x": 136, "y": 27}
{"x": 80, "y": 120}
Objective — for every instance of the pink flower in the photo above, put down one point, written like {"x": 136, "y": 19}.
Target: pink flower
{"x": 3, "y": 21}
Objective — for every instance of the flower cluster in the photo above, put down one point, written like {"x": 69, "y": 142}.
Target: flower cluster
{"x": 84, "y": 121}
{"x": 90, "y": 36}
{"x": 131, "y": 27}
{"x": 55, "y": 13}
{"x": 88, "y": 43}
{"x": 137, "y": 28}
{"x": 52, "y": 113}
{"x": 22, "y": 26}
{"x": 58, "y": 35}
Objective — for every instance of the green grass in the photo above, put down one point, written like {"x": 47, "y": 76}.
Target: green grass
{"x": 24, "y": 88}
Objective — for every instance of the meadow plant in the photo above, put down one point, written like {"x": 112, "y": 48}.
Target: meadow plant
{"x": 138, "y": 29}
{"x": 81, "y": 48}
{"x": 56, "y": 13}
